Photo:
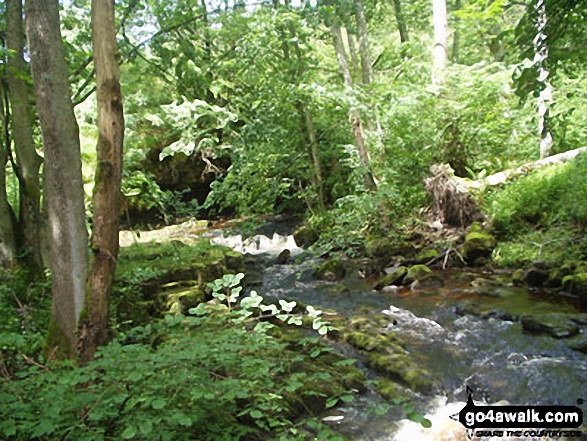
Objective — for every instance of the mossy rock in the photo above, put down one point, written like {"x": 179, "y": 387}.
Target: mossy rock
{"x": 416, "y": 272}
{"x": 518, "y": 277}
{"x": 305, "y": 236}
{"x": 576, "y": 285}
{"x": 430, "y": 281}
{"x": 331, "y": 270}
{"x": 425, "y": 256}
{"x": 478, "y": 244}
{"x": 395, "y": 277}
{"x": 391, "y": 390}
{"x": 556, "y": 325}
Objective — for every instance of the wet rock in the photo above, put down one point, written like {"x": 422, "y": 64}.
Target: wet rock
{"x": 340, "y": 288}
{"x": 390, "y": 389}
{"x": 557, "y": 325}
{"x": 486, "y": 287}
{"x": 331, "y": 270}
{"x": 416, "y": 272}
{"x": 477, "y": 310}
{"x": 536, "y": 275}
{"x": 578, "y": 343}
{"x": 432, "y": 281}
{"x": 390, "y": 289}
{"x": 305, "y": 236}
{"x": 283, "y": 257}
{"x": 478, "y": 244}
{"x": 394, "y": 277}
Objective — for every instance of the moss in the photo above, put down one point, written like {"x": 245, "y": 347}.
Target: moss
{"x": 390, "y": 390}
{"x": 305, "y": 236}
{"x": 57, "y": 345}
{"x": 416, "y": 272}
{"x": 146, "y": 270}
{"x": 331, "y": 270}
{"x": 395, "y": 277}
{"x": 478, "y": 244}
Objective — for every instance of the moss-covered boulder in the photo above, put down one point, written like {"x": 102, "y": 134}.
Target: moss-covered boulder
{"x": 151, "y": 278}
{"x": 394, "y": 277}
{"x": 518, "y": 277}
{"x": 305, "y": 236}
{"x": 385, "y": 352}
{"x": 330, "y": 270}
{"x": 416, "y": 272}
{"x": 557, "y": 325}
{"x": 478, "y": 244}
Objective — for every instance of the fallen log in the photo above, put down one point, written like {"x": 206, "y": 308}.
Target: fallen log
{"x": 453, "y": 202}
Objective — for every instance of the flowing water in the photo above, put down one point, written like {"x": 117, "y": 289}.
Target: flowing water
{"x": 492, "y": 355}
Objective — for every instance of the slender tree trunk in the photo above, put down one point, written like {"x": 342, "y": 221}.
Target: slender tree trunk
{"x": 440, "y": 41}
{"x": 64, "y": 194}
{"x": 7, "y": 242}
{"x": 401, "y": 22}
{"x": 456, "y": 36}
{"x": 104, "y": 243}
{"x": 29, "y": 162}
{"x": 356, "y": 122}
{"x": 313, "y": 141}
{"x": 366, "y": 68}
{"x": 545, "y": 96}
{"x": 353, "y": 52}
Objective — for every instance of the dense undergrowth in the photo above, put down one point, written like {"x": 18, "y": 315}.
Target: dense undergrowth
{"x": 541, "y": 216}
{"x": 234, "y": 370}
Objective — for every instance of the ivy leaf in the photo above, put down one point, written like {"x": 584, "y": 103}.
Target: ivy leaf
{"x": 146, "y": 427}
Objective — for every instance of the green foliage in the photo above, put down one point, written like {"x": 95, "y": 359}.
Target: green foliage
{"x": 209, "y": 376}
{"x": 542, "y": 199}
{"x": 538, "y": 217}
{"x": 25, "y": 305}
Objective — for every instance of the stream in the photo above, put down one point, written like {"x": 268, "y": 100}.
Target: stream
{"x": 490, "y": 353}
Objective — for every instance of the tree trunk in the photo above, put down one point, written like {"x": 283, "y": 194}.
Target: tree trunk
{"x": 318, "y": 180}
{"x": 355, "y": 117}
{"x": 400, "y": 20}
{"x": 104, "y": 243}
{"x": 545, "y": 96}
{"x": 64, "y": 194}
{"x": 456, "y": 36}
{"x": 7, "y": 242}
{"x": 29, "y": 162}
{"x": 366, "y": 68}
{"x": 440, "y": 41}
{"x": 353, "y": 52}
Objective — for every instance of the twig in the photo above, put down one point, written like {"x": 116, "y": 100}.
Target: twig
{"x": 29, "y": 360}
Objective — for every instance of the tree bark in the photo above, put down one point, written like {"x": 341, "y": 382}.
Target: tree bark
{"x": 64, "y": 194}
{"x": 366, "y": 68}
{"x": 7, "y": 242}
{"x": 456, "y": 36}
{"x": 356, "y": 122}
{"x": 440, "y": 41}
{"x": 318, "y": 180}
{"x": 353, "y": 52}
{"x": 28, "y": 161}
{"x": 104, "y": 242}
{"x": 545, "y": 96}
{"x": 401, "y": 22}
